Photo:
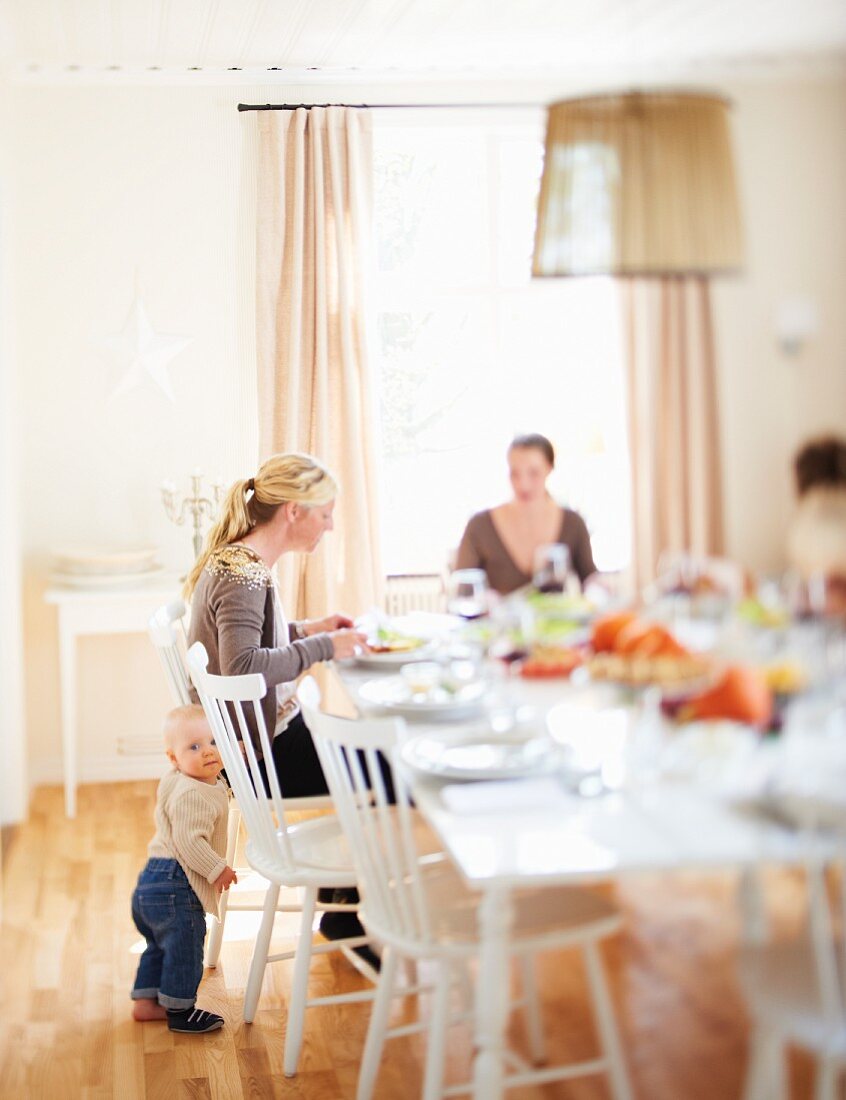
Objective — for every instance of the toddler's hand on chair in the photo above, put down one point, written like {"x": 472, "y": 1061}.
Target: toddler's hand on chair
{"x": 225, "y": 879}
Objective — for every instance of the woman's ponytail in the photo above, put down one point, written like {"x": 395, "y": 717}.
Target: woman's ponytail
{"x": 234, "y": 522}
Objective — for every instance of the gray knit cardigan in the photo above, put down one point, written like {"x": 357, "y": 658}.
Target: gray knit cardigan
{"x": 233, "y": 615}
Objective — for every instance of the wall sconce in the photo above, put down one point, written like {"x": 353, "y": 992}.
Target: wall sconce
{"x": 796, "y": 322}
{"x": 640, "y": 183}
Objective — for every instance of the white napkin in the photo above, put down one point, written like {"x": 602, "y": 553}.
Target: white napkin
{"x": 503, "y": 794}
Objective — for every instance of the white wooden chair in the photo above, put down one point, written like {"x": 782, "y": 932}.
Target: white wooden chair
{"x": 796, "y": 993}
{"x": 308, "y": 855}
{"x": 167, "y": 632}
{"x": 419, "y": 908}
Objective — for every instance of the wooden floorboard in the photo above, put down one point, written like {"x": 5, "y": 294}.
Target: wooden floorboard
{"x": 68, "y": 952}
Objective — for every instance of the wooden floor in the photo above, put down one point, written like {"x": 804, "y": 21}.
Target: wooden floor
{"x": 68, "y": 952}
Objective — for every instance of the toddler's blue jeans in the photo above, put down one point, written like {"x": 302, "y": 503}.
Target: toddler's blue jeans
{"x": 169, "y": 915}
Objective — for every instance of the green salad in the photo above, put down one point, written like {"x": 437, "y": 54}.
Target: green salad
{"x": 557, "y": 615}
{"x": 388, "y": 638}
{"x": 752, "y": 611}
{"x": 560, "y": 605}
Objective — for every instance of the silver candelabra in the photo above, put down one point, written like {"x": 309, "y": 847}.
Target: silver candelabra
{"x": 197, "y": 506}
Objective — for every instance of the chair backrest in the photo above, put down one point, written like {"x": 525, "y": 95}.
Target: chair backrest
{"x": 381, "y": 836}
{"x": 167, "y": 632}
{"x": 227, "y": 700}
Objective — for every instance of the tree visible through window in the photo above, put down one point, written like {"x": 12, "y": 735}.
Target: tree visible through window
{"x": 471, "y": 351}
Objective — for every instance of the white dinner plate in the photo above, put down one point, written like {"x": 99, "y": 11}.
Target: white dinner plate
{"x": 481, "y": 756}
{"x": 393, "y": 694}
{"x": 396, "y": 658}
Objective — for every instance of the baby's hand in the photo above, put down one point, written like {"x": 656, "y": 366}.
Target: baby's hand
{"x": 225, "y": 879}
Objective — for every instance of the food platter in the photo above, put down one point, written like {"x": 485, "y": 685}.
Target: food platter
{"x": 394, "y": 658}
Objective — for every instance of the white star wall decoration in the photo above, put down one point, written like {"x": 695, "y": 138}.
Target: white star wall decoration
{"x": 146, "y": 353}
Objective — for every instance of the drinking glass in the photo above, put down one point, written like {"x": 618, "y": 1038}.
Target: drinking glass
{"x": 552, "y": 568}
{"x": 468, "y": 593}
{"x": 806, "y": 596}
{"x": 678, "y": 572}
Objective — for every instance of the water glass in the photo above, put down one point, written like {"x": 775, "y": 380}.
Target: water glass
{"x": 468, "y": 595}
{"x": 552, "y": 568}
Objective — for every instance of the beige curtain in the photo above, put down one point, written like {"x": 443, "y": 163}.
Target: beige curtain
{"x": 673, "y": 419}
{"x": 314, "y": 386}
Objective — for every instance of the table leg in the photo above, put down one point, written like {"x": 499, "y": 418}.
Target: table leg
{"x": 67, "y": 678}
{"x": 492, "y": 993}
{"x": 753, "y": 910}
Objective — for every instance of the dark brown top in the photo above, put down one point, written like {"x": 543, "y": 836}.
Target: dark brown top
{"x": 482, "y": 548}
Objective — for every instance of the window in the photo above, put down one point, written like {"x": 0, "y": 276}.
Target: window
{"x": 471, "y": 351}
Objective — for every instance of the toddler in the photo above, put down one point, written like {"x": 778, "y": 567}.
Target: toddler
{"x": 184, "y": 875}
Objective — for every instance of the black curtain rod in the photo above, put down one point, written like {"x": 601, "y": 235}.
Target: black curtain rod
{"x": 380, "y": 106}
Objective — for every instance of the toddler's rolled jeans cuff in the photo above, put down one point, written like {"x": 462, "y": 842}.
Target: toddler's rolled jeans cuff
{"x": 164, "y": 1000}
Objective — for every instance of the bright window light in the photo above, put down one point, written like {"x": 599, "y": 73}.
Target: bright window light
{"x": 471, "y": 351}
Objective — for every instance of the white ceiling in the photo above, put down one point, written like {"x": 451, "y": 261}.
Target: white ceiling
{"x": 490, "y": 38}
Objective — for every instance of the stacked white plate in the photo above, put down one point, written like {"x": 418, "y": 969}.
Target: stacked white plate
{"x": 89, "y": 567}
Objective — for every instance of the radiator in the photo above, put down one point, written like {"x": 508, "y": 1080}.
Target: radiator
{"x": 405, "y": 592}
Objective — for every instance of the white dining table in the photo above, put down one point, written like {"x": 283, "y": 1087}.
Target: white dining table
{"x": 657, "y": 825}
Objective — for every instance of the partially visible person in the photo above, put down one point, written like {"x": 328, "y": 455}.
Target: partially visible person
{"x": 186, "y": 871}
{"x": 504, "y": 540}
{"x": 817, "y": 538}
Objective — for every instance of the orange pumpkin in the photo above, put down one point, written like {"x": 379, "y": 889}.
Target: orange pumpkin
{"x": 671, "y": 648}
{"x": 741, "y": 695}
{"x": 654, "y": 642}
{"x": 606, "y": 629}
{"x": 630, "y": 639}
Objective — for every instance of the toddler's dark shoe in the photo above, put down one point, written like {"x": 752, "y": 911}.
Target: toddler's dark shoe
{"x": 193, "y": 1021}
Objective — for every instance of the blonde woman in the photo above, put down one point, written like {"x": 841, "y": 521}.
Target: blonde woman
{"x": 236, "y": 612}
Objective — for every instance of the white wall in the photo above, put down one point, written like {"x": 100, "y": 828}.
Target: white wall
{"x": 117, "y": 186}
{"x": 13, "y": 789}
{"x": 791, "y": 144}
{"x": 118, "y": 180}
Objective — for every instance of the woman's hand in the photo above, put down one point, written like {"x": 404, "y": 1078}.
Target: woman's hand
{"x": 348, "y": 643}
{"x": 325, "y": 626}
{"x": 225, "y": 879}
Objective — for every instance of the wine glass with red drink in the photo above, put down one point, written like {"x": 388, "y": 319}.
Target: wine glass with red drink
{"x": 552, "y": 568}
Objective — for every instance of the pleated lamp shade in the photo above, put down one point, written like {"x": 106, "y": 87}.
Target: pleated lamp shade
{"x": 638, "y": 184}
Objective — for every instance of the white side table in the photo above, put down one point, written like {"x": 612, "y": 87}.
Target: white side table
{"x": 124, "y": 610}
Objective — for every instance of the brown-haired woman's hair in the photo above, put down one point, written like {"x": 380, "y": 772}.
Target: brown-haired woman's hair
{"x": 820, "y": 462}
{"x": 252, "y": 501}
{"x": 538, "y": 442}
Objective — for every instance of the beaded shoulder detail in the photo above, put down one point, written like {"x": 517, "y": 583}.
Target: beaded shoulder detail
{"x": 241, "y": 565}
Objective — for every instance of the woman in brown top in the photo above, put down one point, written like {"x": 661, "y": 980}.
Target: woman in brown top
{"x": 503, "y": 540}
